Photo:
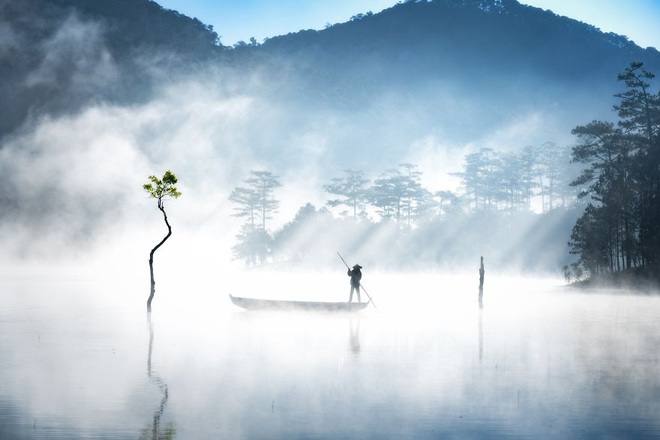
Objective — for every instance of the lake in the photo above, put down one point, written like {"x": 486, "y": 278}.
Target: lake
{"x": 81, "y": 359}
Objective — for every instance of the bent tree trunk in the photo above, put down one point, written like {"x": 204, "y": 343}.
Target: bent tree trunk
{"x": 151, "y": 256}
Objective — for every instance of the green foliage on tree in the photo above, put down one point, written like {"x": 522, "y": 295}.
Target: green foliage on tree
{"x": 160, "y": 189}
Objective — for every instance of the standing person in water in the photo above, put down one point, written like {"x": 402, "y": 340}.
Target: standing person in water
{"x": 356, "y": 276}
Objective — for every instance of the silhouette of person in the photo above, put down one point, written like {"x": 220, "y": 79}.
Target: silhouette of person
{"x": 356, "y": 276}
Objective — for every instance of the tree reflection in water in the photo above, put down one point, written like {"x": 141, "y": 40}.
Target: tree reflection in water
{"x": 153, "y": 431}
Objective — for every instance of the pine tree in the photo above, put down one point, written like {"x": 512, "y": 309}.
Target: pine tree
{"x": 352, "y": 191}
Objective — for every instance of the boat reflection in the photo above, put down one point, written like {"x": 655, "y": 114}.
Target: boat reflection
{"x": 154, "y": 431}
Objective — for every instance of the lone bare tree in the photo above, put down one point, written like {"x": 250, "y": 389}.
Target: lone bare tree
{"x": 160, "y": 189}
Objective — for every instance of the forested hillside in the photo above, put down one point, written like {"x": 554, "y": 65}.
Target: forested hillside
{"x": 450, "y": 38}
{"x": 57, "y": 56}
{"x": 451, "y": 63}
{"x": 445, "y": 63}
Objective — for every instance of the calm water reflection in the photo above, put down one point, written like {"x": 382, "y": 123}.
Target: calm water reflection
{"x": 155, "y": 431}
{"x": 83, "y": 362}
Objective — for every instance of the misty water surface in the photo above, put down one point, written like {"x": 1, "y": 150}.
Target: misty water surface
{"x": 81, "y": 359}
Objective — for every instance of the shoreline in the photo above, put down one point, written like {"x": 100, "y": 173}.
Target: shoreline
{"x": 645, "y": 280}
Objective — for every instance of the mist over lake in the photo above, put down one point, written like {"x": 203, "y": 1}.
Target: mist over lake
{"x": 141, "y": 159}
{"x": 80, "y": 360}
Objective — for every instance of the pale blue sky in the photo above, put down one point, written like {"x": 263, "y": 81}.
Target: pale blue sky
{"x": 236, "y": 20}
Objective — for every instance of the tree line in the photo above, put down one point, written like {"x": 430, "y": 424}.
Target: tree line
{"x": 620, "y": 227}
{"x": 534, "y": 178}
{"x": 619, "y": 179}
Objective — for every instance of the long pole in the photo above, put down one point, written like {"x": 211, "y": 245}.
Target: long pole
{"x": 371, "y": 300}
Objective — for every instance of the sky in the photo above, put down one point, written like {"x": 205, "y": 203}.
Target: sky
{"x": 236, "y": 20}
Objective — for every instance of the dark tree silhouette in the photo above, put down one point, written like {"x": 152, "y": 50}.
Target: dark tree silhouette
{"x": 160, "y": 189}
{"x": 607, "y": 181}
{"x": 639, "y": 110}
{"x": 589, "y": 240}
{"x": 621, "y": 228}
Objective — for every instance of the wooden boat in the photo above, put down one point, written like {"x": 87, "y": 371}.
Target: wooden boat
{"x": 270, "y": 304}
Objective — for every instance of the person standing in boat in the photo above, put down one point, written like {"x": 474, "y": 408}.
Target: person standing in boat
{"x": 356, "y": 276}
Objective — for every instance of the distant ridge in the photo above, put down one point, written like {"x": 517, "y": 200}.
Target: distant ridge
{"x": 500, "y": 55}
{"x": 450, "y": 64}
{"x": 500, "y": 35}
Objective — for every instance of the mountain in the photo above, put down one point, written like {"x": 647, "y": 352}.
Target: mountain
{"x": 441, "y": 38}
{"x": 57, "y": 56}
{"x": 449, "y": 63}
{"x": 484, "y": 57}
